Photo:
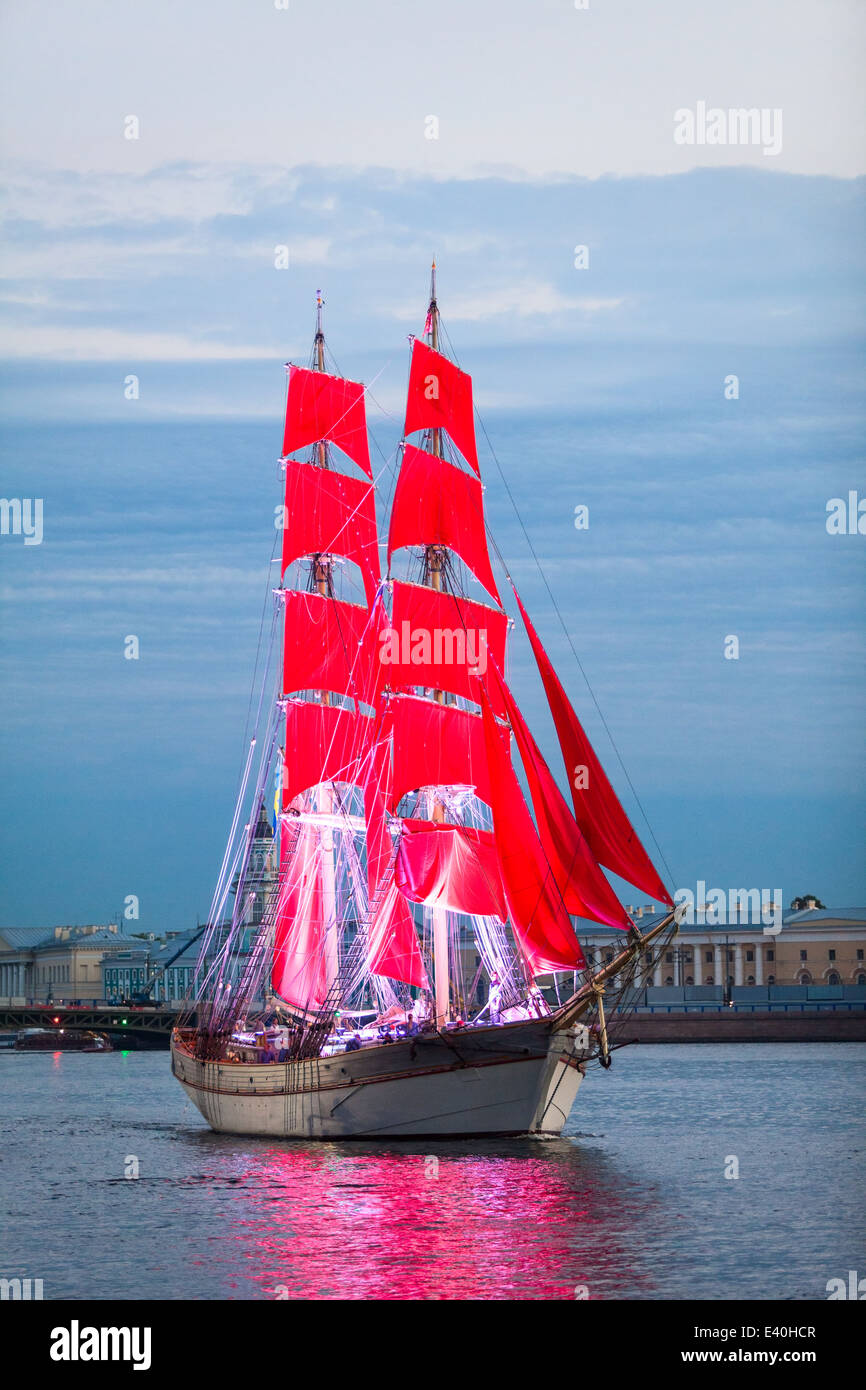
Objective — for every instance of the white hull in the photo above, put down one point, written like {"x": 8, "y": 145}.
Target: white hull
{"x": 520, "y": 1078}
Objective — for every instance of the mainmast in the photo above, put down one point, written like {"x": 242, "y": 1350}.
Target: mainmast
{"x": 433, "y": 567}
{"x": 322, "y": 574}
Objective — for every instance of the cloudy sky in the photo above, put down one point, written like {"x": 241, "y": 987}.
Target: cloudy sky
{"x": 261, "y": 128}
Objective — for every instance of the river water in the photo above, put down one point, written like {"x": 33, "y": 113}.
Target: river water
{"x": 632, "y": 1202}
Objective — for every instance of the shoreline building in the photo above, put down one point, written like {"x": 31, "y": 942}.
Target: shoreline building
{"x": 55, "y": 965}
{"x": 816, "y": 949}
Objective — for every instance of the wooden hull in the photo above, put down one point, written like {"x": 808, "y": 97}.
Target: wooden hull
{"x": 520, "y": 1078}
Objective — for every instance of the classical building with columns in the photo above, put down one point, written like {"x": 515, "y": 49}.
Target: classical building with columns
{"x": 816, "y": 946}
{"x": 57, "y": 965}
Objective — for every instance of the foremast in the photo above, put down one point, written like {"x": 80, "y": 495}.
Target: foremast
{"x": 433, "y": 569}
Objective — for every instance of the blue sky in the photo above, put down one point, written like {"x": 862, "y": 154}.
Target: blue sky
{"x": 601, "y": 386}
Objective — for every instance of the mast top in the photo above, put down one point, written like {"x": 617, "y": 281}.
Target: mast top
{"x": 320, "y": 336}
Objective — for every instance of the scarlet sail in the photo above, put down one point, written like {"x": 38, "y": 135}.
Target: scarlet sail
{"x": 330, "y": 645}
{"x": 441, "y": 641}
{"x": 450, "y": 866}
{"x": 608, "y": 830}
{"x": 323, "y": 407}
{"x": 298, "y": 967}
{"x": 584, "y": 888}
{"x": 323, "y": 744}
{"x": 435, "y": 746}
{"x": 438, "y": 504}
{"x": 535, "y": 908}
{"x": 392, "y": 943}
{"x": 440, "y": 397}
{"x": 330, "y": 513}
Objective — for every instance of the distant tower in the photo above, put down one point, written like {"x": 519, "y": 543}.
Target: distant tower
{"x": 262, "y": 873}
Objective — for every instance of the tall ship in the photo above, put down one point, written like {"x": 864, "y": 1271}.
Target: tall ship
{"x": 394, "y": 949}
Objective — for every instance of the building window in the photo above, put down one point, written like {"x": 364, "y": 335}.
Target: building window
{"x": 804, "y": 955}
{"x": 669, "y": 980}
{"x": 750, "y": 955}
{"x": 832, "y": 978}
{"x": 861, "y": 979}
{"x": 708, "y": 957}
{"x": 859, "y": 955}
{"x": 751, "y": 980}
{"x": 771, "y": 979}
{"x": 831, "y": 955}
{"x": 771, "y": 955}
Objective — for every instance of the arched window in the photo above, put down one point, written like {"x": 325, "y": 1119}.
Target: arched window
{"x": 771, "y": 979}
{"x": 669, "y": 979}
{"x": 750, "y": 980}
{"x": 804, "y": 978}
{"x": 832, "y": 978}
{"x": 861, "y": 979}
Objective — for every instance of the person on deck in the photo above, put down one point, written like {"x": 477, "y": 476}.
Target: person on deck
{"x": 495, "y": 999}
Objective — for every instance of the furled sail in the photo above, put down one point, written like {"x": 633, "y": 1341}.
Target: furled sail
{"x": 298, "y": 966}
{"x": 450, "y": 866}
{"x": 440, "y": 641}
{"x": 535, "y": 908}
{"x": 585, "y": 890}
{"x": 438, "y": 504}
{"x": 440, "y": 397}
{"x": 322, "y": 407}
{"x": 608, "y": 830}
{"x": 330, "y": 513}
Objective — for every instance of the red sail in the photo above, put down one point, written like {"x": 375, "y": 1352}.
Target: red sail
{"x": 392, "y": 942}
{"x": 437, "y": 504}
{"x": 330, "y": 513}
{"x": 450, "y": 866}
{"x": 441, "y": 642}
{"x": 323, "y": 407}
{"x": 298, "y": 969}
{"x": 608, "y": 831}
{"x": 585, "y": 890}
{"x": 440, "y": 397}
{"x": 536, "y": 911}
{"x": 330, "y": 645}
{"x": 323, "y": 744}
{"x": 436, "y": 746}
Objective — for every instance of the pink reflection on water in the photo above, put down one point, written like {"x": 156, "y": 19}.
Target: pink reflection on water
{"x": 521, "y": 1220}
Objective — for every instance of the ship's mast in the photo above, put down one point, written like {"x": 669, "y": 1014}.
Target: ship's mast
{"x": 324, "y": 585}
{"x": 434, "y": 563}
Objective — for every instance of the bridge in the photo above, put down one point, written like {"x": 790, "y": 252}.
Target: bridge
{"x": 146, "y": 1026}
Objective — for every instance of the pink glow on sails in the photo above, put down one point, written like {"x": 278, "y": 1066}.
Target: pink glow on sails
{"x": 585, "y": 890}
{"x": 298, "y": 968}
{"x": 392, "y": 942}
{"x": 330, "y": 513}
{"x": 440, "y": 397}
{"x": 450, "y": 866}
{"x": 605, "y": 825}
{"x": 535, "y": 908}
{"x": 441, "y": 642}
{"x": 323, "y": 407}
{"x": 438, "y": 504}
